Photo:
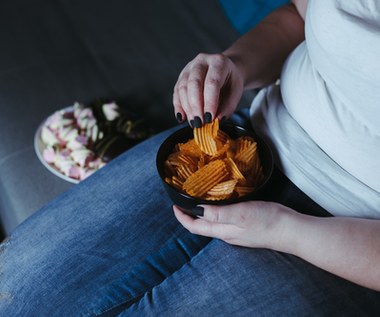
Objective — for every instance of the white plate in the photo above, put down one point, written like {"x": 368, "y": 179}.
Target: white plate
{"x": 39, "y": 147}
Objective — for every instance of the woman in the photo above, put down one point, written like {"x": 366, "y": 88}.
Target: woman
{"x": 110, "y": 246}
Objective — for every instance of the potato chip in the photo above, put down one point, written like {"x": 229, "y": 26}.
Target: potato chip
{"x": 222, "y": 137}
{"x": 178, "y": 158}
{"x": 185, "y": 171}
{"x": 190, "y": 148}
{"x": 200, "y": 182}
{"x": 218, "y": 197}
{"x": 244, "y": 190}
{"x": 246, "y": 150}
{"x": 205, "y": 137}
{"x": 233, "y": 169}
{"x": 176, "y": 182}
{"x": 213, "y": 166}
{"x": 169, "y": 169}
{"x": 223, "y": 188}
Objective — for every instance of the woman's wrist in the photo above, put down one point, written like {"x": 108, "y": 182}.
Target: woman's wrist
{"x": 285, "y": 237}
{"x": 242, "y": 68}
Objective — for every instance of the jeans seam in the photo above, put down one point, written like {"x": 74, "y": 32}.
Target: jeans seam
{"x": 133, "y": 300}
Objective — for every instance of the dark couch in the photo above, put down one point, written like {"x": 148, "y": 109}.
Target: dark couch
{"x": 56, "y": 52}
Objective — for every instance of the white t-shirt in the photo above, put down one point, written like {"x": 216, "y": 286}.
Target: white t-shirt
{"x": 323, "y": 120}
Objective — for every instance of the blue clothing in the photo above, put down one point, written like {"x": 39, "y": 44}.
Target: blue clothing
{"x": 245, "y": 14}
{"x": 112, "y": 246}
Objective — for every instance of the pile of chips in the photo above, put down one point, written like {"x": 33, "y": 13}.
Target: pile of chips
{"x": 213, "y": 166}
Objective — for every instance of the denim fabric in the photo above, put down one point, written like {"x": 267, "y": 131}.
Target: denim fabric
{"x": 112, "y": 246}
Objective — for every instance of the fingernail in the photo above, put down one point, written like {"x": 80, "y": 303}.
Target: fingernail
{"x": 197, "y": 122}
{"x": 224, "y": 118}
{"x": 197, "y": 211}
{"x": 207, "y": 117}
{"x": 179, "y": 117}
{"x": 192, "y": 123}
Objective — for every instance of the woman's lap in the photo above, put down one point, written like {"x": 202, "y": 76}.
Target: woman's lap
{"x": 225, "y": 280}
{"x": 87, "y": 236}
{"x": 112, "y": 242}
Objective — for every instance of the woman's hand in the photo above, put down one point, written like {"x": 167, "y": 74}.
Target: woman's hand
{"x": 209, "y": 87}
{"x": 345, "y": 246}
{"x": 255, "y": 224}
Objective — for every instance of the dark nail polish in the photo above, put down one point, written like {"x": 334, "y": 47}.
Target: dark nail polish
{"x": 224, "y": 118}
{"x": 198, "y": 211}
{"x": 197, "y": 122}
{"x": 179, "y": 117}
{"x": 192, "y": 124}
{"x": 207, "y": 117}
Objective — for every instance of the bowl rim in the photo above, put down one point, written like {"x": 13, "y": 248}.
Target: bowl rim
{"x": 201, "y": 201}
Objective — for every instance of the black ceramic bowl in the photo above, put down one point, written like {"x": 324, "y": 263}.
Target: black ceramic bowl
{"x": 187, "y": 202}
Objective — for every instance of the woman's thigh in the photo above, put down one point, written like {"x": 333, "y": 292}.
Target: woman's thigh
{"x": 225, "y": 280}
{"x": 55, "y": 262}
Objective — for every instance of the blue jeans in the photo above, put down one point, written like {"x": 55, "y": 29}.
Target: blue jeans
{"x": 112, "y": 246}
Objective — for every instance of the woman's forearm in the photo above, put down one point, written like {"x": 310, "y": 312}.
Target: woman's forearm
{"x": 345, "y": 246}
{"x": 260, "y": 53}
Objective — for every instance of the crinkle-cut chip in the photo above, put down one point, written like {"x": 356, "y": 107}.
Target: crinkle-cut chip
{"x": 243, "y": 190}
{"x": 245, "y": 145}
{"x": 233, "y": 169}
{"x": 243, "y": 167}
{"x": 177, "y": 147}
{"x": 247, "y": 153}
{"x": 243, "y": 142}
{"x": 223, "y": 188}
{"x": 214, "y": 127}
{"x": 169, "y": 169}
{"x": 253, "y": 179}
{"x": 190, "y": 148}
{"x": 187, "y": 159}
{"x": 250, "y": 181}
{"x": 222, "y": 137}
{"x": 179, "y": 158}
{"x": 217, "y": 197}
{"x": 204, "y": 166}
{"x": 185, "y": 171}
{"x": 174, "y": 160}
{"x": 205, "y": 137}
{"x": 203, "y": 160}
{"x": 255, "y": 167}
{"x": 200, "y": 182}
{"x": 222, "y": 148}
{"x": 177, "y": 182}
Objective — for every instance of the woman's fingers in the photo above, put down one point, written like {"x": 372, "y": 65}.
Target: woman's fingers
{"x": 204, "y": 227}
{"x": 198, "y": 91}
{"x": 179, "y": 112}
{"x": 252, "y": 223}
{"x": 195, "y": 88}
{"x": 182, "y": 93}
{"x": 216, "y": 78}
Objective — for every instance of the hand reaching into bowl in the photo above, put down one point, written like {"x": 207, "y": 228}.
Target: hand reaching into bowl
{"x": 209, "y": 87}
